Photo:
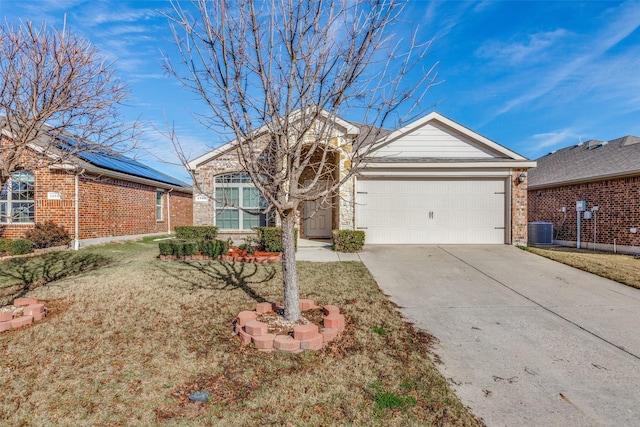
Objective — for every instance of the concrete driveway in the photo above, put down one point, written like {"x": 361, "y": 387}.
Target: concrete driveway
{"x": 523, "y": 340}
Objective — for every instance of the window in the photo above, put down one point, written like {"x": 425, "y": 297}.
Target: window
{"x": 17, "y": 199}
{"x": 159, "y": 195}
{"x": 238, "y": 203}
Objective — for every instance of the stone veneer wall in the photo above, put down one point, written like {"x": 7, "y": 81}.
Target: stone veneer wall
{"x": 518, "y": 208}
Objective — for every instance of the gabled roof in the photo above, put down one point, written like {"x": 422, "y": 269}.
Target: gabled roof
{"x": 103, "y": 162}
{"x": 588, "y": 161}
{"x": 193, "y": 164}
{"x": 498, "y": 150}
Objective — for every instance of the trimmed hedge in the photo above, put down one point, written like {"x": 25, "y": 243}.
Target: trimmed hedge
{"x": 16, "y": 247}
{"x": 348, "y": 240}
{"x": 178, "y": 248}
{"x": 270, "y": 238}
{"x": 181, "y": 248}
{"x": 213, "y": 248}
{"x": 48, "y": 234}
{"x": 196, "y": 232}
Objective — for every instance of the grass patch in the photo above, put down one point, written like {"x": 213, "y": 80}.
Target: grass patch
{"x": 126, "y": 344}
{"x": 20, "y": 275}
{"x": 623, "y": 269}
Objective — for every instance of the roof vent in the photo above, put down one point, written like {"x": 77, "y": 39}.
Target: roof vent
{"x": 594, "y": 143}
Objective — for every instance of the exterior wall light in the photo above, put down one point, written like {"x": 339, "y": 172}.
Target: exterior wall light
{"x": 522, "y": 177}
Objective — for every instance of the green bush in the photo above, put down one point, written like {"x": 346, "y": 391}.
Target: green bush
{"x": 19, "y": 246}
{"x": 3, "y": 245}
{"x": 178, "y": 248}
{"x": 166, "y": 248}
{"x": 213, "y": 248}
{"x": 270, "y": 238}
{"x": 193, "y": 232}
{"x": 348, "y": 240}
{"x": 48, "y": 234}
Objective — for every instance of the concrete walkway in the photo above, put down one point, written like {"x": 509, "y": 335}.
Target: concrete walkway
{"x": 321, "y": 251}
{"x": 523, "y": 340}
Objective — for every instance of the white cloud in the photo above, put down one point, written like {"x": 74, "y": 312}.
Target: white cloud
{"x": 521, "y": 52}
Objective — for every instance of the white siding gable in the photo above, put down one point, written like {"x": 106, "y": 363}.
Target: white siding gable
{"x": 434, "y": 140}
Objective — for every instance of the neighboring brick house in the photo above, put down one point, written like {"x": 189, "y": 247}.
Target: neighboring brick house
{"x": 96, "y": 198}
{"x": 433, "y": 181}
{"x": 604, "y": 174}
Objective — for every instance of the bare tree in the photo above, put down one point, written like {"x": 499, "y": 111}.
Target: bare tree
{"x": 279, "y": 73}
{"x": 55, "y": 85}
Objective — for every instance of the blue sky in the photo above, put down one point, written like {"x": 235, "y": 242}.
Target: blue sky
{"x": 533, "y": 76}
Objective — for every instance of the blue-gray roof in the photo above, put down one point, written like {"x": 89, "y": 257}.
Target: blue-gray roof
{"x": 589, "y": 161}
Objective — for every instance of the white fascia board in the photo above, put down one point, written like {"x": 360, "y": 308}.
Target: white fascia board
{"x": 470, "y": 165}
{"x": 474, "y": 136}
{"x": 193, "y": 164}
{"x": 435, "y": 173}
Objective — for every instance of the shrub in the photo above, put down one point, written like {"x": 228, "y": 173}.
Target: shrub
{"x": 348, "y": 240}
{"x": 19, "y": 246}
{"x": 213, "y": 248}
{"x": 192, "y": 232}
{"x": 3, "y": 244}
{"x": 270, "y": 238}
{"x": 178, "y": 248}
{"x": 47, "y": 234}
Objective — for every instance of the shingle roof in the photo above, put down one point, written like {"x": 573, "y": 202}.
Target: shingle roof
{"x": 588, "y": 161}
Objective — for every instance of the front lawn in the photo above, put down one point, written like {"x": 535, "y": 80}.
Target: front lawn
{"x": 127, "y": 342}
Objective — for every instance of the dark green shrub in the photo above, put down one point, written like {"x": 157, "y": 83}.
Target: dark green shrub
{"x": 270, "y": 238}
{"x": 166, "y": 248}
{"x": 3, "y": 245}
{"x": 19, "y": 246}
{"x": 48, "y": 234}
{"x": 193, "y": 232}
{"x": 178, "y": 248}
{"x": 348, "y": 240}
{"x": 213, "y": 248}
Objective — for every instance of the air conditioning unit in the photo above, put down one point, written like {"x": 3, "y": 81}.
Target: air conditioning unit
{"x": 540, "y": 233}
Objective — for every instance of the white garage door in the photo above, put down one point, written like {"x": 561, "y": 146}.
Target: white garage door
{"x": 432, "y": 211}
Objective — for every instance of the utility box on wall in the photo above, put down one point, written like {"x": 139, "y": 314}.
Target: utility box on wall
{"x": 540, "y": 233}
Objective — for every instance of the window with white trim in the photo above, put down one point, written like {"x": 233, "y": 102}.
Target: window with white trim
{"x": 239, "y": 204}
{"x": 159, "y": 194}
{"x": 17, "y": 199}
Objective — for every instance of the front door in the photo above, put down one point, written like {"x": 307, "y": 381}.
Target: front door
{"x": 317, "y": 217}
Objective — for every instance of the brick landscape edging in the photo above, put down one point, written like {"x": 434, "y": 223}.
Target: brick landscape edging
{"x": 23, "y": 312}
{"x": 248, "y": 258}
{"x": 305, "y": 337}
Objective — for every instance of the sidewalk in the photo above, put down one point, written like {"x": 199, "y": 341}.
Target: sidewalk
{"x": 321, "y": 251}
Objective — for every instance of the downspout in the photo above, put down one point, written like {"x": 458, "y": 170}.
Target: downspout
{"x": 169, "y": 211}
{"x": 76, "y": 243}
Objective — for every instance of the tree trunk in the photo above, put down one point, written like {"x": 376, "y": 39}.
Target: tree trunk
{"x": 289, "y": 272}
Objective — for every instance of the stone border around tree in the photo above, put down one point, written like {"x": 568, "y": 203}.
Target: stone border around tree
{"x": 305, "y": 337}
{"x": 23, "y": 312}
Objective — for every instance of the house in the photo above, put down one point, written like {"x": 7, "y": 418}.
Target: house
{"x": 433, "y": 181}
{"x": 603, "y": 174}
{"x": 97, "y": 197}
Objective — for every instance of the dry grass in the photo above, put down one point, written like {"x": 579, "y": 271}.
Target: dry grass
{"x": 624, "y": 269}
{"x": 125, "y": 344}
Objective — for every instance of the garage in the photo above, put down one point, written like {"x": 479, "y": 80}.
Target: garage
{"x": 432, "y": 210}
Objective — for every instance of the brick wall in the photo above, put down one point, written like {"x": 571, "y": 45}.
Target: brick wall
{"x": 112, "y": 207}
{"x": 618, "y": 200}
{"x": 108, "y": 207}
